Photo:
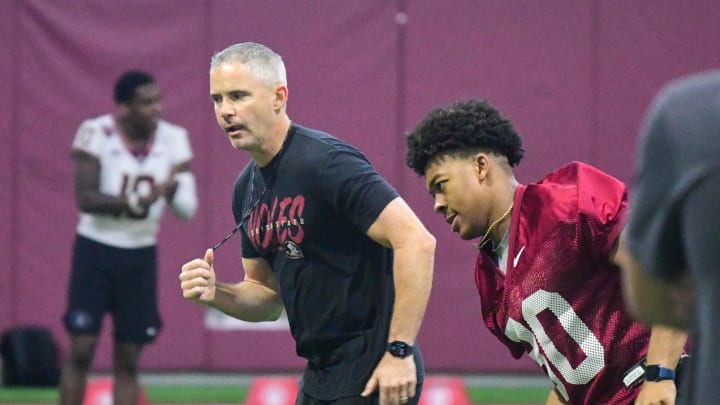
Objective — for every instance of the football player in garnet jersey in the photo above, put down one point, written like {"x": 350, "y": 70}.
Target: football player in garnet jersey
{"x": 548, "y": 286}
{"x": 128, "y": 166}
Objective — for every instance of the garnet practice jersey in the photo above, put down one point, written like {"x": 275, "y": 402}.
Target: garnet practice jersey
{"x": 307, "y": 213}
{"x": 122, "y": 172}
{"x": 560, "y": 299}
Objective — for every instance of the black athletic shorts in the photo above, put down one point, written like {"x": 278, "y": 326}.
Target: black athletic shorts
{"x": 120, "y": 281}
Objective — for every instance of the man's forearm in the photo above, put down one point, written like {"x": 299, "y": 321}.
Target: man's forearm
{"x": 413, "y": 272}
{"x": 247, "y": 301}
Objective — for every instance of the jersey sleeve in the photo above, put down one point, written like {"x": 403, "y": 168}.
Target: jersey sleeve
{"x": 89, "y": 138}
{"x": 602, "y": 206}
{"x": 351, "y": 186}
{"x": 181, "y": 149}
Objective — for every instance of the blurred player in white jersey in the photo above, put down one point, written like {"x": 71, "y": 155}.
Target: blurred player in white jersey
{"x": 128, "y": 166}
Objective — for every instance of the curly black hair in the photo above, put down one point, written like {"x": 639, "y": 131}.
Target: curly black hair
{"x": 462, "y": 129}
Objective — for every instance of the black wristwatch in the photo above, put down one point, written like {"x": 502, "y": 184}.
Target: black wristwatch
{"x": 399, "y": 349}
{"x": 656, "y": 372}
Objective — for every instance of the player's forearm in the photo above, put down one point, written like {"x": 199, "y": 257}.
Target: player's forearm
{"x": 247, "y": 301}
{"x": 666, "y": 346}
{"x": 413, "y": 272}
{"x": 98, "y": 203}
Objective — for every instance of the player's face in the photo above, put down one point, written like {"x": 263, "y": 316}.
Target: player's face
{"x": 245, "y": 107}
{"x": 145, "y": 109}
{"x": 460, "y": 195}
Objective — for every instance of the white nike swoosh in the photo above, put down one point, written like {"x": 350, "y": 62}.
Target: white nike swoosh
{"x": 517, "y": 256}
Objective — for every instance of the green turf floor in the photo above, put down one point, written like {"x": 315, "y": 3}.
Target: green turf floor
{"x": 234, "y": 395}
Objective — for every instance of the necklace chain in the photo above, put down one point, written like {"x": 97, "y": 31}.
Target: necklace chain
{"x": 485, "y": 239}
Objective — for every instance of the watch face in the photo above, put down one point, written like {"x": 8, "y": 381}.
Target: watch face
{"x": 400, "y": 349}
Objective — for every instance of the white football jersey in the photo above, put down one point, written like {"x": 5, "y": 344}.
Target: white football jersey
{"x": 122, "y": 171}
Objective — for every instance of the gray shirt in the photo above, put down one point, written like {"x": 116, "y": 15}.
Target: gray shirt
{"x": 674, "y": 224}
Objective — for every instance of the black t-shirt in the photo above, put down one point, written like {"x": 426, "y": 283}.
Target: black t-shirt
{"x": 307, "y": 213}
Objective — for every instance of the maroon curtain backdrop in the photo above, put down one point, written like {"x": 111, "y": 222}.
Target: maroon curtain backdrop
{"x": 575, "y": 78}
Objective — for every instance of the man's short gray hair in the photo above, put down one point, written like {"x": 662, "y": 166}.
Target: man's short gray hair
{"x": 265, "y": 64}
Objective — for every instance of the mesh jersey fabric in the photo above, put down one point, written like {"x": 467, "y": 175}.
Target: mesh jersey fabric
{"x": 561, "y": 300}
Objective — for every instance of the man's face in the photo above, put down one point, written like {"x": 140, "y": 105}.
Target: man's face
{"x": 460, "y": 195}
{"x": 145, "y": 109}
{"x": 245, "y": 108}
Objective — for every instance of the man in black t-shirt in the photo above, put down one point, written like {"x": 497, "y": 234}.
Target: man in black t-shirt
{"x": 325, "y": 237}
